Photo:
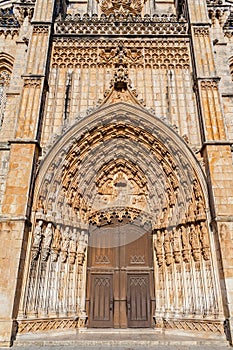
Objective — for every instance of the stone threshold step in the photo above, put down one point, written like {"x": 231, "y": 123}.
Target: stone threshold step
{"x": 128, "y": 343}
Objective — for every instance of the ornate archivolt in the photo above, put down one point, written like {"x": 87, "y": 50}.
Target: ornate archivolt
{"x": 121, "y": 163}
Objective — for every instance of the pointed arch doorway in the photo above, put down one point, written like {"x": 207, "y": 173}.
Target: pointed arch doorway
{"x": 120, "y": 282}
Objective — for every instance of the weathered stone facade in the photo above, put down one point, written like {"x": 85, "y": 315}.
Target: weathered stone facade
{"x": 116, "y": 114}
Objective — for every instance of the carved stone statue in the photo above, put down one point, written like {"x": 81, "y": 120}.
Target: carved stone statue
{"x": 195, "y": 242}
{"x": 185, "y": 243}
{"x": 82, "y": 246}
{"x": 40, "y": 205}
{"x": 37, "y": 237}
{"x": 56, "y": 244}
{"x": 176, "y": 245}
{"x": 164, "y": 217}
{"x": 196, "y": 190}
{"x": 201, "y": 215}
{"x": 167, "y": 248}
{"x": 191, "y": 211}
{"x": 65, "y": 244}
{"x": 204, "y": 239}
{"x": 158, "y": 245}
{"x": 48, "y": 236}
{"x": 73, "y": 246}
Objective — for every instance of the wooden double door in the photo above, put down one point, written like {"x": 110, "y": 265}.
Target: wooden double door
{"x": 120, "y": 289}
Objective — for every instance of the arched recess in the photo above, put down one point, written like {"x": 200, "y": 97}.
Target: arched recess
{"x": 121, "y": 163}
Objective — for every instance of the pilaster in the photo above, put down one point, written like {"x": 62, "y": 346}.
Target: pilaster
{"x": 216, "y": 149}
{"x": 24, "y": 152}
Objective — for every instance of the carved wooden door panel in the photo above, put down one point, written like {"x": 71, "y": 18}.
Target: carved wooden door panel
{"x": 120, "y": 277}
{"x": 138, "y": 300}
{"x": 101, "y": 306}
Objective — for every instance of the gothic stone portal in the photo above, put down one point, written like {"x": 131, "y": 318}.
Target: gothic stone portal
{"x": 120, "y": 291}
{"x": 97, "y": 201}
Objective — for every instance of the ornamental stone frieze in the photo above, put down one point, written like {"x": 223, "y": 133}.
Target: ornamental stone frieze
{"x": 88, "y": 53}
{"x": 121, "y": 25}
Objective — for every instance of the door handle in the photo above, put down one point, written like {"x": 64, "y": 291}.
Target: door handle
{"x": 128, "y": 305}
{"x": 111, "y": 305}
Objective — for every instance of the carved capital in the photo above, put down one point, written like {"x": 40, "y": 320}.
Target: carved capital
{"x": 32, "y": 82}
{"x": 38, "y": 29}
{"x": 201, "y": 31}
{"x": 209, "y": 84}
